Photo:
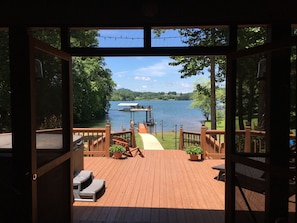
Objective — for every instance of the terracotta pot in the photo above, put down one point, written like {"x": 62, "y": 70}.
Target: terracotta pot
{"x": 193, "y": 157}
{"x": 117, "y": 155}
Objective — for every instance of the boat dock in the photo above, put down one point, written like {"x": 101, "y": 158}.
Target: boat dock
{"x": 136, "y": 107}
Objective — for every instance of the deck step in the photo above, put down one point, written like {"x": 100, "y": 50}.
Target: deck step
{"x": 82, "y": 177}
{"x": 93, "y": 191}
{"x": 86, "y": 188}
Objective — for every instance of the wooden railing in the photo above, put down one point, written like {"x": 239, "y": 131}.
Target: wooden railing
{"x": 213, "y": 141}
{"x": 128, "y": 135}
{"x": 97, "y": 140}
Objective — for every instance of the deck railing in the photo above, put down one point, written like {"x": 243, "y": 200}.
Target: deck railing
{"x": 97, "y": 140}
{"x": 212, "y": 141}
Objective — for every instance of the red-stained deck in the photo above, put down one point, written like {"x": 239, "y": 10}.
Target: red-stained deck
{"x": 164, "y": 186}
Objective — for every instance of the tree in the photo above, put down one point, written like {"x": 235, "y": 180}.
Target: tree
{"x": 201, "y": 97}
{"x": 92, "y": 89}
{"x": 5, "y": 112}
{"x": 248, "y": 90}
{"x": 196, "y": 65}
{"x": 92, "y": 84}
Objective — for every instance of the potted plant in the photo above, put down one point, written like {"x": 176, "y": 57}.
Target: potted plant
{"x": 117, "y": 150}
{"x": 195, "y": 151}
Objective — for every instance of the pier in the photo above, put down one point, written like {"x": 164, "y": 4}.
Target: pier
{"x": 135, "y": 107}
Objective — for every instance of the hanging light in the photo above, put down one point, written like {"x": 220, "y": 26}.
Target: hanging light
{"x": 261, "y": 71}
{"x": 38, "y": 69}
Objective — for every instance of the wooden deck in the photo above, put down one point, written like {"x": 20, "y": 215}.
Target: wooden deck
{"x": 164, "y": 186}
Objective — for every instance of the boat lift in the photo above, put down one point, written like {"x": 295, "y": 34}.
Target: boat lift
{"x": 135, "y": 107}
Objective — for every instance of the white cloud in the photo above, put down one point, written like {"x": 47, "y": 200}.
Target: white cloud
{"x": 159, "y": 69}
{"x": 142, "y": 78}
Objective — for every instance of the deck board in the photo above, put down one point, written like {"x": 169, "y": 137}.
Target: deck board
{"x": 164, "y": 186}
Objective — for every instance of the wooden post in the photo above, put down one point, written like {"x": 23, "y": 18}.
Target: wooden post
{"x": 133, "y": 142}
{"x": 247, "y": 139}
{"x": 181, "y": 138}
{"x": 107, "y": 139}
{"x": 203, "y": 138}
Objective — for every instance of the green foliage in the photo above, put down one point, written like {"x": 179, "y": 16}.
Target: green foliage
{"x": 117, "y": 148}
{"x": 128, "y": 95}
{"x": 51, "y": 122}
{"x": 92, "y": 88}
{"x": 92, "y": 84}
{"x": 201, "y": 97}
{"x": 138, "y": 141}
{"x": 197, "y": 150}
{"x": 201, "y": 37}
{"x": 248, "y": 91}
{"x": 215, "y": 65}
{"x": 5, "y": 92}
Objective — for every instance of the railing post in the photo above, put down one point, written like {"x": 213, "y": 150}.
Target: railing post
{"x": 107, "y": 139}
{"x": 247, "y": 139}
{"x": 133, "y": 142}
{"x": 203, "y": 138}
{"x": 181, "y": 138}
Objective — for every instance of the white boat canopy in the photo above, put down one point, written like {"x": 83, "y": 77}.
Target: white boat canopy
{"x": 128, "y": 104}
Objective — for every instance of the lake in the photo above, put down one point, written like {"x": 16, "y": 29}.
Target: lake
{"x": 168, "y": 115}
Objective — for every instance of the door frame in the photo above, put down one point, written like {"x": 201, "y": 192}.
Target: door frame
{"x": 231, "y": 156}
{"x": 67, "y": 125}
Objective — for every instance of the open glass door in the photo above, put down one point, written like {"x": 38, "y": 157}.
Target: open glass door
{"x": 249, "y": 155}
{"x": 258, "y": 164}
{"x": 51, "y": 157}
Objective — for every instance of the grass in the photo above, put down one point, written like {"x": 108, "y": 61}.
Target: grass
{"x": 138, "y": 141}
{"x": 169, "y": 140}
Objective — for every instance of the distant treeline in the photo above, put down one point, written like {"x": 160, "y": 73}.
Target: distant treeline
{"x": 128, "y": 95}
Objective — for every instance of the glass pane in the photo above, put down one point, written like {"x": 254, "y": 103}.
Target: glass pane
{"x": 121, "y": 38}
{"x": 176, "y": 37}
{"x": 250, "y": 179}
{"x": 250, "y": 210}
{"x": 134, "y": 38}
{"x": 251, "y": 36}
{"x": 49, "y": 139}
{"x": 50, "y": 36}
{"x": 5, "y": 92}
{"x": 112, "y": 38}
{"x": 250, "y": 192}
{"x": 250, "y": 104}
{"x": 293, "y": 159}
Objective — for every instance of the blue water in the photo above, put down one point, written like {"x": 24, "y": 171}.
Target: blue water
{"x": 168, "y": 115}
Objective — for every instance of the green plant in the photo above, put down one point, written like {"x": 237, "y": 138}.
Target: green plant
{"x": 194, "y": 150}
{"x": 116, "y": 148}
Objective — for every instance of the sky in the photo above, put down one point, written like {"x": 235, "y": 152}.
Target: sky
{"x": 144, "y": 74}
{"x": 148, "y": 74}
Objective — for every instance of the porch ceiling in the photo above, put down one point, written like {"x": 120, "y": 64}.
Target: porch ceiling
{"x": 94, "y": 13}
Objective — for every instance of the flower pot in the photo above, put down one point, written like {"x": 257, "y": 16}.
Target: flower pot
{"x": 194, "y": 157}
{"x": 117, "y": 155}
